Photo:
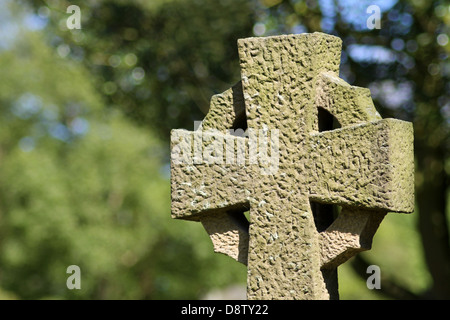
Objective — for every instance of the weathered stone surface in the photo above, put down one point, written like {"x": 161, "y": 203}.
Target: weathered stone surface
{"x": 289, "y": 93}
{"x": 227, "y": 110}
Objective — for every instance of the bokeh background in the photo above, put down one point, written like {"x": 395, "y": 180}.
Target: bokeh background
{"x": 85, "y": 118}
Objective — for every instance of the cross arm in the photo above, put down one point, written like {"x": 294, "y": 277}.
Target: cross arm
{"x": 211, "y": 184}
{"x": 203, "y": 178}
{"x": 367, "y": 166}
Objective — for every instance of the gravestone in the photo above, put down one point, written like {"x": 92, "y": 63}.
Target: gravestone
{"x": 292, "y": 143}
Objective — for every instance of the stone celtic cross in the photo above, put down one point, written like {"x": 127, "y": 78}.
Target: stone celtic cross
{"x": 309, "y": 142}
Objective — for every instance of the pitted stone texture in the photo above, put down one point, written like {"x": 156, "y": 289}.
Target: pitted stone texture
{"x": 350, "y": 105}
{"x": 227, "y": 110}
{"x": 229, "y": 233}
{"x": 366, "y": 166}
{"x": 350, "y": 233}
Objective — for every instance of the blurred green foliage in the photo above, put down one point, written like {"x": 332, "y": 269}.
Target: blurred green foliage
{"x": 80, "y": 184}
{"x": 159, "y": 62}
{"x": 85, "y": 120}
